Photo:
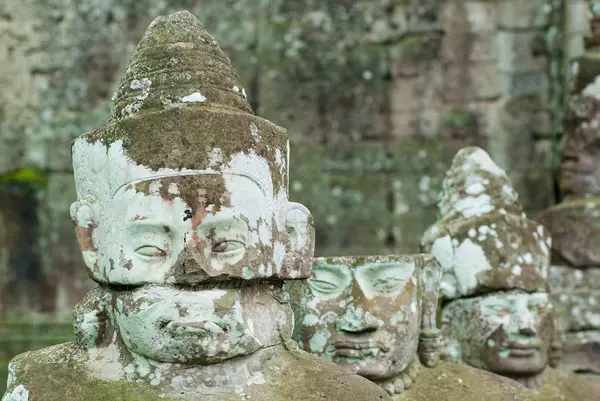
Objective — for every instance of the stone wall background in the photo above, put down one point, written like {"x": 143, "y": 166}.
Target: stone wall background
{"x": 377, "y": 96}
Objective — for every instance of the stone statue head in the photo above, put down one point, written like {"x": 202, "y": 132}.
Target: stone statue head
{"x": 579, "y": 172}
{"x": 509, "y": 333}
{"x": 182, "y": 208}
{"x": 370, "y": 314}
{"x": 185, "y": 185}
{"x": 496, "y": 312}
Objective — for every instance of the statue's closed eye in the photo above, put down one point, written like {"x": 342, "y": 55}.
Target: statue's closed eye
{"x": 322, "y": 286}
{"x": 226, "y": 246}
{"x": 329, "y": 280}
{"x": 150, "y": 251}
{"x": 387, "y": 284}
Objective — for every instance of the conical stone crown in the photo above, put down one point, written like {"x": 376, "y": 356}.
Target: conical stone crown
{"x": 177, "y": 61}
{"x": 179, "y": 108}
{"x": 475, "y": 185}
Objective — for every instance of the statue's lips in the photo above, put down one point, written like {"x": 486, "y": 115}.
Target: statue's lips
{"x": 358, "y": 349}
{"x": 523, "y": 348}
{"x": 196, "y": 329}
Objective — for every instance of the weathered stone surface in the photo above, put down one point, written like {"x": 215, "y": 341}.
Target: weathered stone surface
{"x": 575, "y": 295}
{"x": 485, "y": 254}
{"x": 524, "y": 14}
{"x": 579, "y": 174}
{"x": 572, "y": 280}
{"x": 478, "y": 82}
{"x": 337, "y": 90}
{"x": 466, "y": 46}
{"x": 580, "y": 352}
{"x": 346, "y": 186}
{"x": 563, "y": 385}
{"x": 517, "y": 52}
{"x": 517, "y": 84}
{"x": 476, "y": 16}
{"x": 72, "y": 379}
{"x": 575, "y": 230}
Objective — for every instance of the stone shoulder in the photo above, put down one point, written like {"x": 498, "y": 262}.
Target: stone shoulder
{"x": 457, "y": 382}
{"x": 565, "y": 385}
{"x": 299, "y": 375}
{"x": 58, "y": 373}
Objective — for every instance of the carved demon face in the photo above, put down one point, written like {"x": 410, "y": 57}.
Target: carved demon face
{"x": 188, "y": 229}
{"x": 170, "y": 324}
{"x": 366, "y": 313}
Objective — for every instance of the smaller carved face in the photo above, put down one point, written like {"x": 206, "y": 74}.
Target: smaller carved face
{"x": 506, "y": 333}
{"x": 362, "y": 313}
{"x": 175, "y": 325}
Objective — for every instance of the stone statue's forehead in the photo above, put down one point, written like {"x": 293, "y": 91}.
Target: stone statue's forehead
{"x": 513, "y": 299}
{"x": 178, "y": 182}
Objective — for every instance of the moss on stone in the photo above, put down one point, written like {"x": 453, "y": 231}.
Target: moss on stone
{"x": 410, "y": 47}
{"x": 184, "y": 138}
{"x": 564, "y": 385}
{"x": 26, "y": 175}
{"x": 54, "y": 374}
{"x": 455, "y": 382}
{"x": 575, "y": 230}
{"x": 51, "y": 375}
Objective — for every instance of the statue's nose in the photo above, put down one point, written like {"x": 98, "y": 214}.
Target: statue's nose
{"x": 190, "y": 265}
{"x": 356, "y": 320}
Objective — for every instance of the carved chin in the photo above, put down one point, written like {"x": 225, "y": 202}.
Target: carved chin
{"x": 369, "y": 367}
{"x": 201, "y": 348}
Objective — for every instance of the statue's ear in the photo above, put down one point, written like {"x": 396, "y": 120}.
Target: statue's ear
{"x": 300, "y": 242}
{"x": 430, "y": 336}
{"x": 83, "y": 214}
{"x": 90, "y": 318}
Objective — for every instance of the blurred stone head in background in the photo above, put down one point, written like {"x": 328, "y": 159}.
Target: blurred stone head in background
{"x": 496, "y": 312}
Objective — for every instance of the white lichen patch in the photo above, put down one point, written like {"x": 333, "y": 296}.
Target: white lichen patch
{"x": 141, "y": 84}
{"x": 215, "y": 157}
{"x": 318, "y": 341}
{"x": 485, "y": 162}
{"x": 256, "y": 135}
{"x": 195, "y": 97}
{"x": 475, "y": 188}
{"x": 19, "y": 393}
{"x": 173, "y": 189}
{"x": 593, "y": 89}
{"x": 470, "y": 259}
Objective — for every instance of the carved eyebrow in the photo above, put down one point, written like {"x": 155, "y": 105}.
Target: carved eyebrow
{"x": 187, "y": 173}
{"x": 407, "y": 268}
{"x": 148, "y": 225}
{"x": 219, "y": 223}
{"x": 340, "y": 271}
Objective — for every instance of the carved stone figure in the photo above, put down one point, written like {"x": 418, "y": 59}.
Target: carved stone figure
{"x": 376, "y": 316}
{"x": 183, "y": 218}
{"x": 496, "y": 309}
{"x": 574, "y": 224}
